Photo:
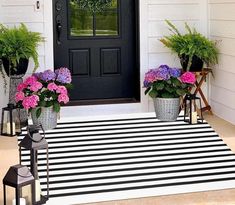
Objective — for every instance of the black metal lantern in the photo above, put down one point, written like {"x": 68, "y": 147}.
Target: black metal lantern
{"x": 10, "y": 121}
{"x": 19, "y": 178}
{"x": 34, "y": 142}
{"x": 193, "y": 109}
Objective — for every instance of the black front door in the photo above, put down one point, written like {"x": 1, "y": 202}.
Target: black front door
{"x": 100, "y": 49}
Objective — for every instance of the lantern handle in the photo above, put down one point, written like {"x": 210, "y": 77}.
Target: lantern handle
{"x": 36, "y": 141}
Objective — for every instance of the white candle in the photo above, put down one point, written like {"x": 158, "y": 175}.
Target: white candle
{"x": 9, "y": 128}
{"x": 22, "y": 201}
{"x": 194, "y": 117}
{"x": 37, "y": 190}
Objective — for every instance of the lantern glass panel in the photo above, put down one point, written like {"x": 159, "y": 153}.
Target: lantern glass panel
{"x": 10, "y": 121}
{"x": 10, "y": 195}
{"x": 193, "y": 109}
{"x": 25, "y": 196}
{"x": 16, "y": 120}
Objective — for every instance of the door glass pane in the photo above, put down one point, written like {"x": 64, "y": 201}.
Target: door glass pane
{"x": 81, "y": 20}
{"x": 107, "y": 21}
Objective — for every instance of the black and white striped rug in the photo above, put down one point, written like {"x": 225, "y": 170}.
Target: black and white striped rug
{"x": 132, "y": 156}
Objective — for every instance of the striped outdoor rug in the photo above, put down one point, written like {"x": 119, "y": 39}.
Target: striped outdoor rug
{"x": 133, "y": 156}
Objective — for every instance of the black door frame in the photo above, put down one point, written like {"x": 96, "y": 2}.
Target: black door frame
{"x": 137, "y": 86}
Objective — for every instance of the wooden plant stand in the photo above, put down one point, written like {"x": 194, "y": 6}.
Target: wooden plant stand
{"x": 200, "y": 79}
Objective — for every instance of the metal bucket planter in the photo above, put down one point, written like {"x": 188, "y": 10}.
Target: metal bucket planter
{"x": 167, "y": 109}
{"x": 48, "y": 118}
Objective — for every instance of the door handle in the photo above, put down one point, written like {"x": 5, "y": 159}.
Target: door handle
{"x": 59, "y": 28}
{"x": 59, "y": 31}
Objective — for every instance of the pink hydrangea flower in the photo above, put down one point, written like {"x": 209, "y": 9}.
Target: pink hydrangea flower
{"x": 52, "y": 87}
{"x": 30, "y": 102}
{"x": 21, "y": 87}
{"x": 34, "y": 98}
{"x": 188, "y": 77}
{"x": 151, "y": 76}
{"x": 19, "y": 96}
{"x": 30, "y": 80}
{"x": 63, "y": 98}
{"x": 36, "y": 86}
{"x": 62, "y": 90}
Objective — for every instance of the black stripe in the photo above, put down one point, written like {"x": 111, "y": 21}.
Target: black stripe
{"x": 121, "y": 124}
{"x": 102, "y": 121}
{"x": 140, "y": 180}
{"x": 101, "y": 130}
{"x": 133, "y": 157}
{"x": 144, "y": 187}
{"x": 123, "y": 147}
{"x": 124, "y": 142}
{"x": 125, "y": 137}
{"x": 138, "y": 141}
{"x": 138, "y": 174}
{"x": 136, "y": 162}
{"x": 115, "y": 120}
{"x": 139, "y": 168}
{"x": 128, "y": 152}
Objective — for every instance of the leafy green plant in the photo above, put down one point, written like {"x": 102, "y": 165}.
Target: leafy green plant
{"x": 17, "y": 43}
{"x": 191, "y": 44}
{"x": 94, "y": 5}
{"x": 3, "y": 77}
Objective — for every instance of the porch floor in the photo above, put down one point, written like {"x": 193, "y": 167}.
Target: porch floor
{"x": 9, "y": 156}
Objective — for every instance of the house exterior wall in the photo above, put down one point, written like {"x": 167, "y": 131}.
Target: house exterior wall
{"x": 222, "y": 28}
{"x": 152, "y": 27}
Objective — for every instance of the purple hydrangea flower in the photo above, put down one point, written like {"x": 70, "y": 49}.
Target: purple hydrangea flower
{"x": 47, "y": 75}
{"x": 175, "y": 72}
{"x": 163, "y": 72}
{"x": 146, "y": 84}
{"x": 63, "y": 75}
{"x": 37, "y": 75}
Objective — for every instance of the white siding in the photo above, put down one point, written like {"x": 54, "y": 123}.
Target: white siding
{"x": 152, "y": 28}
{"x": 222, "y": 28}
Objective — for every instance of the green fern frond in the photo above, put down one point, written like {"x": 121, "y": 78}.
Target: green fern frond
{"x": 16, "y": 43}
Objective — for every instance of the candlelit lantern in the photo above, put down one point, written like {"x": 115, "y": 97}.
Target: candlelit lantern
{"x": 192, "y": 107}
{"x": 34, "y": 142}
{"x": 10, "y": 121}
{"x": 18, "y": 177}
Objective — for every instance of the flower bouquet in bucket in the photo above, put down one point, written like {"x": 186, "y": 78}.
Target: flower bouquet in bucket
{"x": 165, "y": 85}
{"x": 43, "y": 93}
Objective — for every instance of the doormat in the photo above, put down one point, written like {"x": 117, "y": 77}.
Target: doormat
{"x": 132, "y": 156}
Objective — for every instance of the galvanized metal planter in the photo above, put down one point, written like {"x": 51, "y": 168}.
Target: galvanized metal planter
{"x": 167, "y": 109}
{"x": 48, "y": 118}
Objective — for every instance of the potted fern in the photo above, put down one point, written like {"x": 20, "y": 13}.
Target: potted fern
{"x": 193, "y": 49}
{"x": 17, "y": 46}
